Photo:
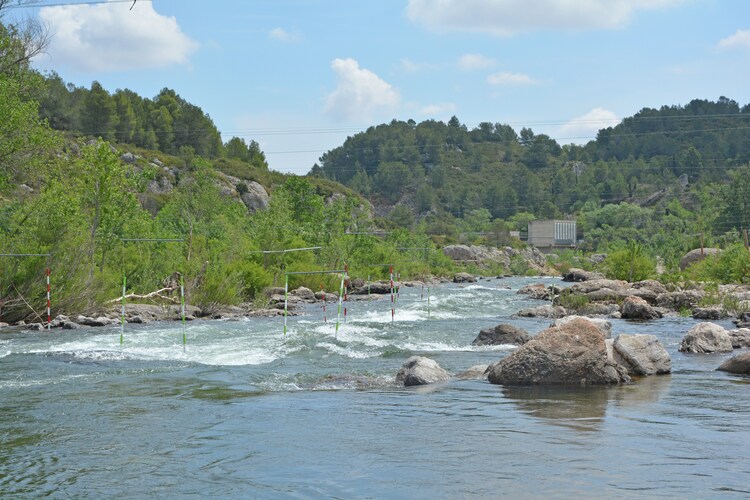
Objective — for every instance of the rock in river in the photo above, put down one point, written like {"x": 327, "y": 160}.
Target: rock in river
{"x": 500, "y": 335}
{"x": 706, "y": 338}
{"x": 418, "y": 370}
{"x": 573, "y": 354}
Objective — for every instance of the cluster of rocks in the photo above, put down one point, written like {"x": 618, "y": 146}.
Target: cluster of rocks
{"x": 581, "y": 351}
{"x": 592, "y": 295}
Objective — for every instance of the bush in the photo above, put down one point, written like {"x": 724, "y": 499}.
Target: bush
{"x": 630, "y": 264}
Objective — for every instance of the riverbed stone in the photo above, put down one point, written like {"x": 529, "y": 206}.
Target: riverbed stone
{"x": 737, "y": 364}
{"x": 464, "y": 278}
{"x": 576, "y": 275}
{"x": 418, "y": 370}
{"x": 706, "y": 338}
{"x": 502, "y": 334}
{"x": 638, "y": 309}
{"x": 536, "y": 291}
{"x": 740, "y": 337}
{"x": 304, "y": 293}
{"x": 709, "y": 313}
{"x": 545, "y": 311}
{"x": 572, "y": 354}
{"x": 641, "y": 354}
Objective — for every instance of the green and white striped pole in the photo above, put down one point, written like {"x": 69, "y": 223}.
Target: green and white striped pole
{"x": 286, "y": 300}
{"x": 182, "y": 299}
{"x": 122, "y": 318}
{"x": 341, "y": 296}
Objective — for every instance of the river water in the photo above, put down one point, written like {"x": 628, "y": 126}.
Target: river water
{"x": 243, "y": 411}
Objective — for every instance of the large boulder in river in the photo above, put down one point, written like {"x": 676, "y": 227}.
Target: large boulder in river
{"x": 697, "y": 255}
{"x": 503, "y": 334}
{"x": 677, "y": 301}
{"x": 573, "y": 354}
{"x": 641, "y": 354}
{"x": 706, "y": 338}
{"x": 418, "y": 370}
{"x": 638, "y": 308}
{"x": 737, "y": 364}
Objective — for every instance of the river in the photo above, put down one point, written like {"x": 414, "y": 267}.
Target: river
{"x": 244, "y": 411}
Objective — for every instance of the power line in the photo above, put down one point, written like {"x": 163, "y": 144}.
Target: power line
{"x": 35, "y": 5}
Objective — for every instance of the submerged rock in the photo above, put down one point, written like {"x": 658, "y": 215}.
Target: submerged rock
{"x": 418, "y": 370}
{"x": 574, "y": 354}
{"x": 641, "y": 354}
{"x": 502, "y": 334}
{"x": 737, "y": 364}
{"x": 706, "y": 338}
{"x": 476, "y": 372}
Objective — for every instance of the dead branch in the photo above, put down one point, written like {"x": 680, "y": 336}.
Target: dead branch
{"x": 156, "y": 294}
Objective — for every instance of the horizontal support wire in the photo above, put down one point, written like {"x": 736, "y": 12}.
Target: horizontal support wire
{"x": 24, "y": 255}
{"x": 336, "y": 271}
{"x": 286, "y": 251}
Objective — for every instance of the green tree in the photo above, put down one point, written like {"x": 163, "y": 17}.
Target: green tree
{"x": 98, "y": 117}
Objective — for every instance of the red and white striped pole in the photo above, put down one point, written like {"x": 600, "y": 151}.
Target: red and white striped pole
{"x": 49, "y": 303}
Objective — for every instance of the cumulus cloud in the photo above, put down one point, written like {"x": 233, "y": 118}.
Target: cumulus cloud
{"x": 471, "y": 62}
{"x": 414, "y": 67}
{"x": 282, "y": 35}
{"x": 109, "y": 37}
{"x": 740, "y": 40}
{"x": 584, "y": 128}
{"x": 360, "y": 93}
{"x": 509, "y": 17}
{"x": 508, "y": 78}
{"x": 435, "y": 110}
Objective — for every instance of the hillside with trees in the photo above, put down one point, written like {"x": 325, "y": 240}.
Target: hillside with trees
{"x": 83, "y": 170}
{"x": 664, "y": 177}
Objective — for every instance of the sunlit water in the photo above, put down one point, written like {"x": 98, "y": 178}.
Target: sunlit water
{"x": 243, "y": 411}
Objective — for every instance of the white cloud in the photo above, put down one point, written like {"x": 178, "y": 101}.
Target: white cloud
{"x": 360, "y": 94}
{"x": 584, "y": 128}
{"x": 507, "y": 78}
{"x": 282, "y": 35}
{"x": 109, "y": 37}
{"x": 471, "y": 62}
{"x": 509, "y": 17}
{"x": 740, "y": 40}
{"x": 413, "y": 67}
{"x": 437, "y": 110}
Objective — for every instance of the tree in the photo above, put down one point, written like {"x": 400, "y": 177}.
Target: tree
{"x": 98, "y": 116}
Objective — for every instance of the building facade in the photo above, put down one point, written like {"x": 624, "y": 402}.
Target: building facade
{"x": 552, "y": 233}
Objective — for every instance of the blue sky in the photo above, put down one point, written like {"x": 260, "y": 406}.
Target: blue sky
{"x": 299, "y": 76}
